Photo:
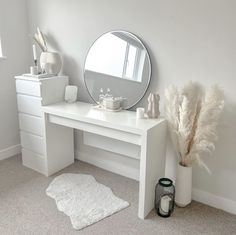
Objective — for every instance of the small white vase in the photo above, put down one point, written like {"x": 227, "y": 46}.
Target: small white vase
{"x": 183, "y": 186}
{"x": 153, "y": 106}
{"x": 50, "y": 62}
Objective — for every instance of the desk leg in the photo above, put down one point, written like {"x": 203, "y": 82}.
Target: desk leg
{"x": 152, "y": 167}
{"x": 59, "y": 146}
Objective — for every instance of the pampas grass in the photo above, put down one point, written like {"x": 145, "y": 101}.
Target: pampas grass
{"x": 192, "y": 116}
{"x": 40, "y": 40}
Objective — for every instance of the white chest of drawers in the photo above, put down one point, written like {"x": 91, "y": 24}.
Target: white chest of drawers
{"x": 32, "y": 94}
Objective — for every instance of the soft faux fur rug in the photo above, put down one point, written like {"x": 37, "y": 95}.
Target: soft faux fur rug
{"x": 83, "y": 199}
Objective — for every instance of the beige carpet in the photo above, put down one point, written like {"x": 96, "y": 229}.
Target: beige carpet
{"x": 25, "y": 208}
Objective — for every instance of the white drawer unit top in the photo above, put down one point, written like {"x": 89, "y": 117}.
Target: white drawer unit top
{"x": 50, "y": 90}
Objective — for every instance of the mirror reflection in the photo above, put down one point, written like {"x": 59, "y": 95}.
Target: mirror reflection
{"x": 118, "y": 62}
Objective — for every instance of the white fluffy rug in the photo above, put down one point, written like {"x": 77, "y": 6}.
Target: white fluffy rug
{"x": 83, "y": 199}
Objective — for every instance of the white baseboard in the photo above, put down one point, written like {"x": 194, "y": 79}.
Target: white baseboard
{"x": 127, "y": 170}
{"x": 9, "y": 152}
{"x": 214, "y": 201}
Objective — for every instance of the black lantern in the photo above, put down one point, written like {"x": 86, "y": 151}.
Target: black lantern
{"x": 164, "y": 197}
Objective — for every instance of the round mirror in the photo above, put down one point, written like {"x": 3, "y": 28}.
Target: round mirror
{"x": 118, "y": 64}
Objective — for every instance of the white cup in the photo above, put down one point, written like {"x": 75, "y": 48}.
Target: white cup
{"x": 33, "y": 70}
{"x": 140, "y": 113}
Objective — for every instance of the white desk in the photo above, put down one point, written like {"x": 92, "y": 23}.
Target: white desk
{"x": 149, "y": 134}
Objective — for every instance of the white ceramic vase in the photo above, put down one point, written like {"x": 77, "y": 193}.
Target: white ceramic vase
{"x": 183, "y": 186}
{"x": 50, "y": 62}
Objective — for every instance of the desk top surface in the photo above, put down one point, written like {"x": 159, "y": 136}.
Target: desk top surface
{"x": 124, "y": 120}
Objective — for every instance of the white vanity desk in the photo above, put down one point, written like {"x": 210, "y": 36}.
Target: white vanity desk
{"x": 149, "y": 134}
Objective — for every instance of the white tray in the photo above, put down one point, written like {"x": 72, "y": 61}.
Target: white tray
{"x": 109, "y": 110}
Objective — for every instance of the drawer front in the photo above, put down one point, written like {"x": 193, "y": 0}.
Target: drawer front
{"x": 31, "y": 124}
{"x": 32, "y": 142}
{"x": 29, "y": 105}
{"x": 34, "y": 161}
{"x": 28, "y": 88}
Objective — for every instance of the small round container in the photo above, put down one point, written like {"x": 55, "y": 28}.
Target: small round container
{"x": 33, "y": 70}
{"x": 140, "y": 113}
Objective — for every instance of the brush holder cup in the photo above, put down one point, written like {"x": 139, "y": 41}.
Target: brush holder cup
{"x": 164, "y": 197}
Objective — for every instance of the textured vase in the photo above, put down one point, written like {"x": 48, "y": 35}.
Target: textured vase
{"x": 50, "y": 62}
{"x": 153, "y": 106}
{"x": 183, "y": 186}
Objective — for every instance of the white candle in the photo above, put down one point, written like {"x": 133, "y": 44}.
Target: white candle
{"x": 34, "y": 52}
{"x": 140, "y": 113}
{"x": 33, "y": 70}
{"x": 165, "y": 204}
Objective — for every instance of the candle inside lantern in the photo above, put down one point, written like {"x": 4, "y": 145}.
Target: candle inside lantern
{"x": 165, "y": 204}
{"x": 164, "y": 197}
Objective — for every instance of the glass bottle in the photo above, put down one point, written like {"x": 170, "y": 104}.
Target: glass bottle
{"x": 108, "y": 94}
{"x": 101, "y": 97}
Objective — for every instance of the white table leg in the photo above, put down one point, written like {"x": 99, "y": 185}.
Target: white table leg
{"x": 59, "y": 146}
{"x": 152, "y": 167}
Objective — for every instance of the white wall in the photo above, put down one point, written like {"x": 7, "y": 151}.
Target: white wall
{"x": 187, "y": 40}
{"x": 15, "y": 45}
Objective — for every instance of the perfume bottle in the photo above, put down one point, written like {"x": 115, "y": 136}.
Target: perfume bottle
{"x": 101, "y": 97}
{"x": 108, "y": 94}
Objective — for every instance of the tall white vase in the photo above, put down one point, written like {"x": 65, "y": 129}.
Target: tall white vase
{"x": 183, "y": 186}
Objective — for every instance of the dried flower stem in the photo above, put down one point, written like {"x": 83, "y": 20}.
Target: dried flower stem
{"x": 192, "y": 120}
